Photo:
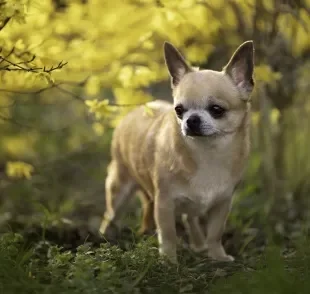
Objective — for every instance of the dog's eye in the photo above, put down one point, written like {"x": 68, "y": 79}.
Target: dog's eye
{"x": 216, "y": 111}
{"x": 179, "y": 110}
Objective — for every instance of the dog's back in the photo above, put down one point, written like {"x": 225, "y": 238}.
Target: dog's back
{"x": 135, "y": 131}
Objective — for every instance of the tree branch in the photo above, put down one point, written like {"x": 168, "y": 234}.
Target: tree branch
{"x": 240, "y": 19}
{"x": 23, "y": 66}
{"x": 4, "y": 23}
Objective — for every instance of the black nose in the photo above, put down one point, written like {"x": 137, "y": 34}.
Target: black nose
{"x": 193, "y": 122}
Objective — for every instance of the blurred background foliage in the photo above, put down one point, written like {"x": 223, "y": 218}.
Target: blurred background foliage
{"x": 70, "y": 69}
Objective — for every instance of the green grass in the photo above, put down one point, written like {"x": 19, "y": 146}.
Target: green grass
{"x": 43, "y": 268}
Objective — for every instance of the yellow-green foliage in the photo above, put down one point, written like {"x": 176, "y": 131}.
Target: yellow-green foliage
{"x": 19, "y": 169}
{"x": 116, "y": 45}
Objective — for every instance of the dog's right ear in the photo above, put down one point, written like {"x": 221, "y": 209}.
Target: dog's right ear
{"x": 176, "y": 64}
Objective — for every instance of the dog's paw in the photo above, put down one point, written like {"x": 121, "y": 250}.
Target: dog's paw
{"x": 169, "y": 256}
{"x": 172, "y": 260}
{"x": 108, "y": 230}
{"x": 217, "y": 252}
{"x": 224, "y": 258}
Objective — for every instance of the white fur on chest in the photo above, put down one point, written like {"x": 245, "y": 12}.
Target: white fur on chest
{"x": 212, "y": 182}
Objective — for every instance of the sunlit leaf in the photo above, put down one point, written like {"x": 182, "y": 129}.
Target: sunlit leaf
{"x": 19, "y": 169}
{"x": 265, "y": 74}
{"x": 98, "y": 128}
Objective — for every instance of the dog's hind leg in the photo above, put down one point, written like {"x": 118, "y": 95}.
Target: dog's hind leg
{"x": 119, "y": 188}
{"x": 148, "y": 222}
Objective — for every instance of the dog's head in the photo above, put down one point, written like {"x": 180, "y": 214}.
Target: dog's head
{"x": 207, "y": 102}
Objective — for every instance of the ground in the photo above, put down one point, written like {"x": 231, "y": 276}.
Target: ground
{"x": 68, "y": 259}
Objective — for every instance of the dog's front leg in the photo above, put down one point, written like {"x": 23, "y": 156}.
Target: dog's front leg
{"x": 195, "y": 233}
{"x": 165, "y": 222}
{"x": 216, "y": 222}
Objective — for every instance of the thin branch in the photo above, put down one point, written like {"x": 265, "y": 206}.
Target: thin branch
{"x": 255, "y": 18}
{"x": 69, "y": 93}
{"x": 27, "y": 61}
{"x": 8, "y": 55}
{"x": 15, "y": 122}
{"x": 13, "y": 66}
{"x": 240, "y": 19}
{"x": 49, "y": 130}
{"x": 9, "y": 105}
{"x": 61, "y": 89}
{"x": 275, "y": 17}
{"x": 77, "y": 84}
{"x": 206, "y": 4}
{"x": 29, "y": 92}
{"x": 4, "y": 23}
{"x": 65, "y": 91}
{"x": 51, "y": 86}
{"x": 40, "y": 130}
{"x": 111, "y": 103}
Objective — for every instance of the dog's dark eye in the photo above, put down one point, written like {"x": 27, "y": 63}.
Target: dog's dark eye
{"x": 179, "y": 110}
{"x": 216, "y": 111}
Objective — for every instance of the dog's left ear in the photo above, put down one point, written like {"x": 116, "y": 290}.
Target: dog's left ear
{"x": 176, "y": 64}
{"x": 241, "y": 66}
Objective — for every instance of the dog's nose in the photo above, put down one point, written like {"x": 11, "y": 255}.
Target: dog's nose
{"x": 193, "y": 122}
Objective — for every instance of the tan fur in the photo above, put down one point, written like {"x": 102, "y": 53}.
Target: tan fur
{"x": 182, "y": 176}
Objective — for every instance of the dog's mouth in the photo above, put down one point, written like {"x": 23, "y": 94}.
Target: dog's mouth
{"x": 198, "y": 133}
{"x": 190, "y": 133}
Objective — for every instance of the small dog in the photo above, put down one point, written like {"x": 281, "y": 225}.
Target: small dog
{"x": 187, "y": 157}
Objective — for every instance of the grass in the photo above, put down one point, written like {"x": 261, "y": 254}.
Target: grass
{"x": 44, "y": 268}
{"x": 64, "y": 257}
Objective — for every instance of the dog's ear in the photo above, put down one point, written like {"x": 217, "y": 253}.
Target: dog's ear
{"x": 241, "y": 66}
{"x": 176, "y": 64}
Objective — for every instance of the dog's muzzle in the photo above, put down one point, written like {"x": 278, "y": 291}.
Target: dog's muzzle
{"x": 193, "y": 125}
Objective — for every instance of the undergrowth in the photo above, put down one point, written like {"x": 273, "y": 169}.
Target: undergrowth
{"x": 44, "y": 268}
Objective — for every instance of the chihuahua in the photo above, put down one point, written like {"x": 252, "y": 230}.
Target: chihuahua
{"x": 187, "y": 157}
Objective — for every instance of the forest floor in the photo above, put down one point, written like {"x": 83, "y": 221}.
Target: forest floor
{"x": 64, "y": 259}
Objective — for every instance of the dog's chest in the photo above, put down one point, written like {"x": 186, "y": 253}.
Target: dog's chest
{"x": 212, "y": 182}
